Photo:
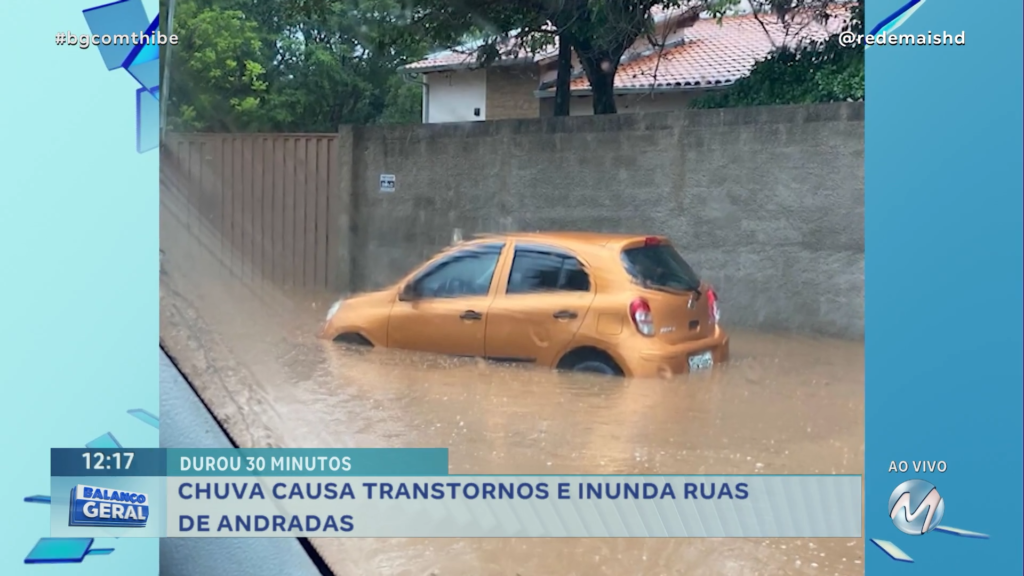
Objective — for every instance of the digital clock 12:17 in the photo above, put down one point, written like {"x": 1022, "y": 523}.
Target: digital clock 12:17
{"x": 108, "y": 461}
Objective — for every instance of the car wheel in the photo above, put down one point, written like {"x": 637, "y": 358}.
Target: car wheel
{"x": 352, "y": 340}
{"x": 596, "y": 367}
{"x": 589, "y": 360}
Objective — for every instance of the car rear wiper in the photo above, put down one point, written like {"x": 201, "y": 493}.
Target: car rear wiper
{"x": 663, "y": 287}
{"x": 682, "y": 284}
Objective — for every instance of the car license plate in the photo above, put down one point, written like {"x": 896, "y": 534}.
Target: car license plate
{"x": 701, "y": 361}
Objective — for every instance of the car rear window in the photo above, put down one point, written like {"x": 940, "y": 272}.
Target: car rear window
{"x": 660, "y": 266}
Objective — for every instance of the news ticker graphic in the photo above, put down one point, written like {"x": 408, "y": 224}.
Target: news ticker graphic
{"x": 75, "y": 550}
{"x": 408, "y": 493}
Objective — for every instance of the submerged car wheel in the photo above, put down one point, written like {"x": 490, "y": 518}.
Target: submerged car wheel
{"x": 596, "y": 367}
{"x": 352, "y": 340}
{"x": 590, "y": 361}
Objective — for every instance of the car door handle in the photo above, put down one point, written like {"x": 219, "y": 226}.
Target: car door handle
{"x": 565, "y": 315}
{"x": 471, "y": 315}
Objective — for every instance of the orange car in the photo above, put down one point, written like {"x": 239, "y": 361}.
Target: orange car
{"x": 611, "y": 304}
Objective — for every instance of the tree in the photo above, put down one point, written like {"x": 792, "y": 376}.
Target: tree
{"x": 599, "y": 32}
{"x": 602, "y": 31}
{"x": 339, "y": 63}
{"x": 218, "y": 70}
{"x": 826, "y": 71}
{"x": 792, "y": 16}
{"x": 563, "y": 75}
{"x": 290, "y": 65}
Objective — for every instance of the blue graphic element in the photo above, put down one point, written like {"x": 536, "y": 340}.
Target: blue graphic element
{"x": 99, "y": 213}
{"x": 59, "y": 550}
{"x": 147, "y": 119}
{"x": 141, "y": 61}
{"x": 121, "y": 17}
{"x": 50, "y": 550}
{"x": 897, "y": 18}
{"x": 147, "y": 74}
{"x": 892, "y": 550}
{"x": 961, "y": 533}
{"x": 146, "y": 416}
{"x": 105, "y": 441}
{"x": 932, "y": 167}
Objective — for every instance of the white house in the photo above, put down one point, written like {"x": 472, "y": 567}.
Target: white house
{"x": 688, "y": 59}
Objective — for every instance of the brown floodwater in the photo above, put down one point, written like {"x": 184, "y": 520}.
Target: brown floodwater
{"x": 784, "y": 405}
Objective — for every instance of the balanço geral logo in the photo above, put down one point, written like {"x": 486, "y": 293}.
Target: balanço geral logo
{"x": 107, "y": 507}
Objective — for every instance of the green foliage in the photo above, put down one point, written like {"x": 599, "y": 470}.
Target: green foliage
{"x": 290, "y": 65}
{"x": 224, "y": 65}
{"x": 403, "y": 104}
{"x": 312, "y": 65}
{"x": 822, "y": 72}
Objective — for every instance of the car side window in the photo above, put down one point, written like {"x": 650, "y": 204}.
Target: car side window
{"x": 538, "y": 270}
{"x": 463, "y": 273}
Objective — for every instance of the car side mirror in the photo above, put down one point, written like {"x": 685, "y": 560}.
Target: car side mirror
{"x": 408, "y": 293}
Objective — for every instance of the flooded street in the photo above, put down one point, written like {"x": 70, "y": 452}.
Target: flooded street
{"x": 784, "y": 405}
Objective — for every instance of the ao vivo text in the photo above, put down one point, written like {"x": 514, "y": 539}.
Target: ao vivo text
{"x": 917, "y": 466}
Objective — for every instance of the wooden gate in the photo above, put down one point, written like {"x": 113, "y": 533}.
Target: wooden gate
{"x": 266, "y": 198}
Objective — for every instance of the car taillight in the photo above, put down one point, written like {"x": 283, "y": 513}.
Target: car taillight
{"x": 640, "y": 313}
{"x": 713, "y": 310}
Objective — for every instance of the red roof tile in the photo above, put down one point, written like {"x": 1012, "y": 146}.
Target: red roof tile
{"x": 712, "y": 54}
{"x": 465, "y": 57}
{"x": 442, "y": 60}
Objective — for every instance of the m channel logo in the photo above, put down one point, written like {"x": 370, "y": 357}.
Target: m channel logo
{"x": 916, "y": 507}
{"x": 108, "y": 507}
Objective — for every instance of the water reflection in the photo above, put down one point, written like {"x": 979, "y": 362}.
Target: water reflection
{"x": 783, "y": 405}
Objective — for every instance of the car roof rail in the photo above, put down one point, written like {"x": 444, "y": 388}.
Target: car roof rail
{"x": 485, "y": 236}
{"x": 458, "y": 238}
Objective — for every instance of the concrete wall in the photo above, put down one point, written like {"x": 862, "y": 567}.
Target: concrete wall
{"x": 627, "y": 103}
{"x": 767, "y": 203}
